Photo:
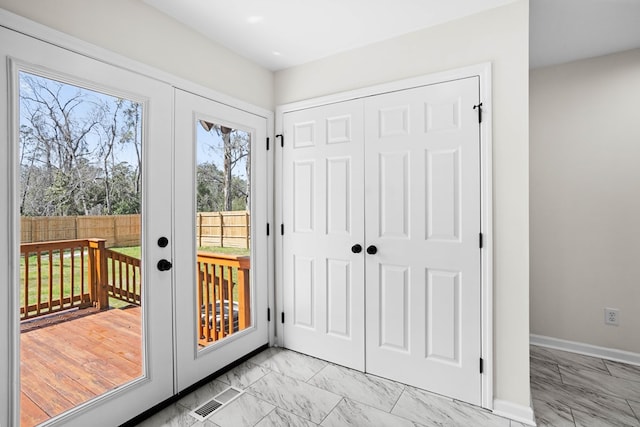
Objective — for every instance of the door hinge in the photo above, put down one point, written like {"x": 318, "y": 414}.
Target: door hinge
{"x": 282, "y": 229}
{"x": 268, "y": 314}
{"x": 281, "y": 136}
{"x": 480, "y": 240}
{"x": 267, "y": 144}
{"x": 268, "y": 231}
{"x": 481, "y": 365}
{"x": 282, "y": 317}
{"x": 479, "y": 107}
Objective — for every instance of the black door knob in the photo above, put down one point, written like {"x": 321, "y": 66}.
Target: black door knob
{"x": 356, "y": 249}
{"x": 163, "y": 242}
{"x": 372, "y": 250}
{"x": 164, "y": 265}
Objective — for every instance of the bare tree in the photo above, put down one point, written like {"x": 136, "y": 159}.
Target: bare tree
{"x": 235, "y": 148}
{"x": 52, "y": 113}
{"x": 131, "y": 134}
{"x": 69, "y": 137}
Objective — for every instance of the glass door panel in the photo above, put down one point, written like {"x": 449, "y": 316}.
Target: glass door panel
{"x": 80, "y": 203}
{"x": 223, "y": 230}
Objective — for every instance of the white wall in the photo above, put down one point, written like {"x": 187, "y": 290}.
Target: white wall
{"x": 133, "y": 29}
{"x": 499, "y": 36}
{"x": 585, "y": 200}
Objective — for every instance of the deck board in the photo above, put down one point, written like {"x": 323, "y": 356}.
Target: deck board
{"x": 68, "y": 363}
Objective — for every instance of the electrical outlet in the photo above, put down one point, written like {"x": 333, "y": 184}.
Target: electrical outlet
{"x": 611, "y": 316}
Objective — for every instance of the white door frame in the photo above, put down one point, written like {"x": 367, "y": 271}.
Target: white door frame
{"x": 9, "y": 354}
{"x": 483, "y": 71}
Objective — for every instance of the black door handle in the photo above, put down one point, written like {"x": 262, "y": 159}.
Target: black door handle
{"x": 356, "y": 249}
{"x": 164, "y": 265}
{"x": 372, "y": 250}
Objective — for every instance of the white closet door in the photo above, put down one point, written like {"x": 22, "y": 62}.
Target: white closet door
{"x": 422, "y": 198}
{"x": 323, "y": 219}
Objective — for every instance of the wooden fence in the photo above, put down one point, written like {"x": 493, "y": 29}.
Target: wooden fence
{"x": 222, "y": 229}
{"x": 117, "y": 230}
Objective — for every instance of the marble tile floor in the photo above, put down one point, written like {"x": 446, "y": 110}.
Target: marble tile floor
{"x": 573, "y": 390}
{"x": 285, "y": 388}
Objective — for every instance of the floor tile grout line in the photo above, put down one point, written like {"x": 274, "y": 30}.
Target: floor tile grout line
{"x": 404, "y": 388}
{"x": 257, "y": 379}
{"x": 599, "y": 392}
{"x": 607, "y": 368}
{"x": 573, "y": 418}
{"x": 267, "y": 414}
{"x": 562, "y": 377}
{"x": 332, "y": 409}
{"x": 632, "y": 411}
{"x": 637, "y": 379}
{"x": 316, "y": 374}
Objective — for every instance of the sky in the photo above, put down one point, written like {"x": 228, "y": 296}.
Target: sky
{"x": 123, "y": 152}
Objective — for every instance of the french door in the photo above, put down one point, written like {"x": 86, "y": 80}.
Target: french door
{"x": 220, "y": 246}
{"x": 160, "y": 275}
{"x": 122, "y": 366}
{"x": 381, "y": 211}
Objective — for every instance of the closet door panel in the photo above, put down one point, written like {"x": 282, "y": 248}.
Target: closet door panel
{"x": 423, "y": 216}
{"x": 323, "y": 219}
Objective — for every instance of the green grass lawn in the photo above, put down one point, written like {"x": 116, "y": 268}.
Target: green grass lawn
{"x": 227, "y": 251}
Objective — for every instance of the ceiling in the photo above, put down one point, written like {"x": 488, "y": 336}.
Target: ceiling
{"x": 567, "y": 30}
{"x": 278, "y": 34}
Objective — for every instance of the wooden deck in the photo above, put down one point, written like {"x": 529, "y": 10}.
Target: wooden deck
{"x": 65, "y": 364}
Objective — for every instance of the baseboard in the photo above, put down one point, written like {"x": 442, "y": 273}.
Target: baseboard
{"x": 586, "y": 349}
{"x": 513, "y": 411}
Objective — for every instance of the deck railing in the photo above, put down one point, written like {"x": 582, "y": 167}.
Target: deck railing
{"x": 123, "y": 272}
{"x": 223, "y": 295}
{"x": 62, "y": 275}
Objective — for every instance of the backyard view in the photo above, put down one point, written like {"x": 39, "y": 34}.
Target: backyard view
{"x": 81, "y": 271}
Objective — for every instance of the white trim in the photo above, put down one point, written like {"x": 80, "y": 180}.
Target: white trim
{"x": 13, "y": 241}
{"x": 486, "y": 227}
{"x": 613, "y": 354}
{"x": 513, "y": 411}
{"x": 484, "y": 72}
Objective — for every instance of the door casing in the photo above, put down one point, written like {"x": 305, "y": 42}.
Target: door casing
{"x": 483, "y": 71}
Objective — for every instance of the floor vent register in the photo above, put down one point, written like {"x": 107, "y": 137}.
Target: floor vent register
{"x": 205, "y": 410}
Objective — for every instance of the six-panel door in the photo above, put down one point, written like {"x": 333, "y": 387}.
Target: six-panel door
{"x": 323, "y": 224}
{"x": 422, "y": 203}
{"x": 412, "y": 199}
